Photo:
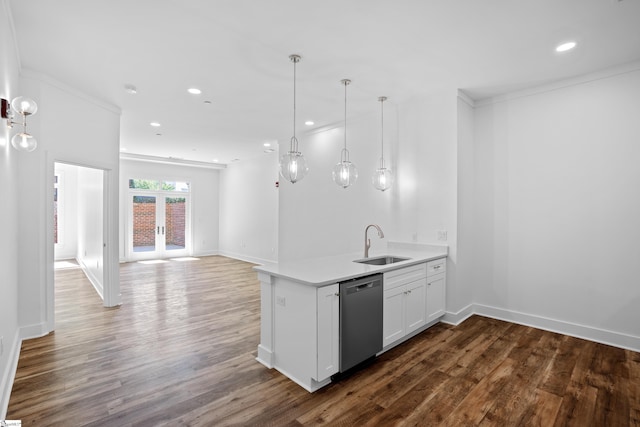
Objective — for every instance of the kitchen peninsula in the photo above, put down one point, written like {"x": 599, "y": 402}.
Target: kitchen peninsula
{"x": 300, "y": 306}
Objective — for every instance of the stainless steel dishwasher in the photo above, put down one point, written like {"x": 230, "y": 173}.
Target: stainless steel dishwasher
{"x": 360, "y": 320}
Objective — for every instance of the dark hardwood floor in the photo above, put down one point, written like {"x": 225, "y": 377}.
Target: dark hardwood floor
{"x": 181, "y": 349}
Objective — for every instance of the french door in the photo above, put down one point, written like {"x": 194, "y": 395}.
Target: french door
{"x": 159, "y": 225}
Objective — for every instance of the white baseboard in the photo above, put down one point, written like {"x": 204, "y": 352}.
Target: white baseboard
{"x": 92, "y": 279}
{"x": 246, "y": 258}
{"x": 33, "y": 331}
{"x": 6, "y": 383}
{"x": 456, "y": 318}
{"x": 590, "y": 333}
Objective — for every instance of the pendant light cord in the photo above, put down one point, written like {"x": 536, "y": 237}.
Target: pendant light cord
{"x": 382, "y": 99}
{"x": 344, "y": 154}
{"x": 294, "y": 141}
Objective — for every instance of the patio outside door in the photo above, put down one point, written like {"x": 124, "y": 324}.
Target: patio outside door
{"x": 159, "y": 225}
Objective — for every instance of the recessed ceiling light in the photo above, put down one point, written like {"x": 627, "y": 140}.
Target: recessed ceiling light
{"x": 194, "y": 91}
{"x": 123, "y": 149}
{"x": 130, "y": 89}
{"x": 215, "y": 160}
{"x": 309, "y": 123}
{"x": 565, "y": 46}
{"x": 155, "y": 124}
{"x": 266, "y": 144}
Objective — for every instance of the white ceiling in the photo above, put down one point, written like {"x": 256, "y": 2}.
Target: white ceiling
{"x": 236, "y": 52}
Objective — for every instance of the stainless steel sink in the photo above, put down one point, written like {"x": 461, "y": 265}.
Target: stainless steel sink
{"x": 381, "y": 260}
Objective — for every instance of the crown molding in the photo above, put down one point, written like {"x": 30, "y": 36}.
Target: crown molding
{"x": 574, "y": 81}
{"x": 45, "y": 78}
{"x": 171, "y": 161}
{"x": 462, "y": 95}
{"x": 12, "y": 29}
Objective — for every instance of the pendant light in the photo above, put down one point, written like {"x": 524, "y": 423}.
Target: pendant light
{"x": 293, "y": 166}
{"x": 382, "y": 177}
{"x": 345, "y": 172}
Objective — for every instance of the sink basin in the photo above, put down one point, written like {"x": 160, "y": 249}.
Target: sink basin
{"x": 381, "y": 260}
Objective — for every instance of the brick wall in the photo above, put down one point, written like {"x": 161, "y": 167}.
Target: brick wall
{"x": 144, "y": 223}
{"x": 175, "y": 219}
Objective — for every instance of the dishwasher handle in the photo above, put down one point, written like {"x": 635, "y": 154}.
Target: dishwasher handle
{"x": 361, "y": 286}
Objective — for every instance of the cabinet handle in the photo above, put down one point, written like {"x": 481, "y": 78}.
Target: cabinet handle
{"x": 337, "y": 294}
{"x": 437, "y": 267}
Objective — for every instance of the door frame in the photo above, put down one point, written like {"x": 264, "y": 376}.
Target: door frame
{"x": 160, "y": 252}
{"x": 111, "y": 273}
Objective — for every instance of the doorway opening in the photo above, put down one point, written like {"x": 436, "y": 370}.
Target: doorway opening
{"x": 159, "y": 219}
{"x": 78, "y": 221}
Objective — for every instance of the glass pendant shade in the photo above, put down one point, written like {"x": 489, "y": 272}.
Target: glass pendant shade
{"x": 345, "y": 173}
{"x": 293, "y": 166}
{"x": 24, "y": 142}
{"x": 382, "y": 179}
{"x": 24, "y": 106}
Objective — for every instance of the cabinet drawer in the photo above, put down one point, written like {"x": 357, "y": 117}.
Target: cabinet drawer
{"x": 401, "y": 276}
{"x": 436, "y": 266}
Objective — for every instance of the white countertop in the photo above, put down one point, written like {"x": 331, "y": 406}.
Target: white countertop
{"x": 327, "y": 270}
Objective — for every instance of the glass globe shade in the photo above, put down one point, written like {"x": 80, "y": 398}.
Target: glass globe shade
{"x": 293, "y": 166}
{"x": 25, "y": 106}
{"x": 382, "y": 179}
{"x": 345, "y": 174}
{"x": 24, "y": 142}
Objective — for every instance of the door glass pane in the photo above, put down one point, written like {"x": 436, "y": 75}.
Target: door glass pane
{"x": 175, "y": 214}
{"x": 144, "y": 223}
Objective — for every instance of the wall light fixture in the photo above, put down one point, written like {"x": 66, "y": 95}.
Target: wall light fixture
{"x": 24, "y": 106}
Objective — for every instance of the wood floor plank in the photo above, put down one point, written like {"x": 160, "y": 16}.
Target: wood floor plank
{"x": 181, "y": 351}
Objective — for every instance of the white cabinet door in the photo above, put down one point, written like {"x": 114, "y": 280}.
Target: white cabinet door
{"x": 393, "y": 315}
{"x": 415, "y": 305}
{"x": 328, "y": 331}
{"x": 436, "y": 297}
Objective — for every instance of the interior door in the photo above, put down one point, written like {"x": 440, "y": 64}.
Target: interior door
{"x": 159, "y": 226}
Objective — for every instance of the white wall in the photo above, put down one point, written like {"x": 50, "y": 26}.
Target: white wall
{"x": 67, "y": 247}
{"x": 71, "y": 128}
{"x": 204, "y": 200}
{"x": 90, "y": 225}
{"x": 319, "y": 218}
{"x": 425, "y": 200}
{"x": 461, "y": 297}
{"x": 249, "y": 209}
{"x": 557, "y": 206}
{"x": 9, "y": 70}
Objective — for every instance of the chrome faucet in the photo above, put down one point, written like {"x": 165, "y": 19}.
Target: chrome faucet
{"x": 367, "y": 242}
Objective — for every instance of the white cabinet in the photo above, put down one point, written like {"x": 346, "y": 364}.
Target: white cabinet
{"x": 328, "y": 309}
{"x": 415, "y": 315}
{"x": 436, "y": 294}
{"x": 404, "y": 307}
{"x": 306, "y": 321}
{"x": 393, "y": 315}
